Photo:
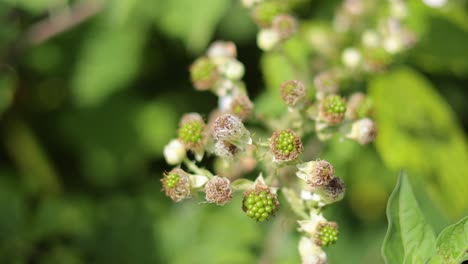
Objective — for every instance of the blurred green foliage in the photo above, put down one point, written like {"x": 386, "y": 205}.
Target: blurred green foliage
{"x": 85, "y": 115}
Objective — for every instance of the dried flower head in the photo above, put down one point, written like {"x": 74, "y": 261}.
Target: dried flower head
{"x": 359, "y": 106}
{"x": 176, "y": 184}
{"x": 292, "y": 92}
{"x": 260, "y": 203}
{"x": 326, "y": 83}
{"x": 241, "y": 106}
{"x": 230, "y": 128}
{"x": 332, "y": 192}
{"x": 285, "y": 145}
{"x": 265, "y": 12}
{"x": 191, "y": 131}
{"x": 204, "y": 73}
{"x": 285, "y": 25}
{"x": 218, "y": 190}
{"x": 332, "y": 109}
{"x": 363, "y": 131}
{"x": 316, "y": 173}
{"x": 327, "y": 234}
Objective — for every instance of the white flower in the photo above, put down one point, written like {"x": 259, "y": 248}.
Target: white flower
{"x": 310, "y": 226}
{"x": 174, "y": 152}
{"x": 233, "y": 69}
{"x": 310, "y": 252}
{"x": 267, "y": 39}
{"x": 435, "y": 3}
{"x": 351, "y": 57}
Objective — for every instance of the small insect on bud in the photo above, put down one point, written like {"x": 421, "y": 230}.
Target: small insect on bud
{"x": 176, "y": 184}
{"x": 332, "y": 109}
{"x": 292, "y": 92}
{"x": 241, "y": 106}
{"x": 230, "y": 128}
{"x": 218, "y": 190}
{"x": 174, "y": 152}
{"x": 222, "y": 49}
{"x": 363, "y": 131}
{"x": 359, "y": 106}
{"x": 265, "y": 12}
{"x": 260, "y": 203}
{"x": 285, "y": 25}
{"x": 267, "y": 39}
{"x": 327, "y": 234}
{"x": 316, "y": 172}
{"x": 326, "y": 83}
{"x": 310, "y": 252}
{"x": 191, "y": 132}
{"x": 332, "y": 192}
{"x": 204, "y": 73}
{"x": 285, "y": 145}
{"x": 225, "y": 149}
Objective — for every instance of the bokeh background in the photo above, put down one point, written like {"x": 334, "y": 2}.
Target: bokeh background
{"x": 91, "y": 91}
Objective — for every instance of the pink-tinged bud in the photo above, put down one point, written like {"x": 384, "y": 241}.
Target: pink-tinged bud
{"x": 222, "y": 49}
{"x": 285, "y": 145}
{"x": 285, "y": 25}
{"x": 230, "y": 128}
{"x": 326, "y": 83}
{"x": 316, "y": 173}
{"x": 218, "y": 190}
{"x": 241, "y": 106}
{"x": 176, "y": 184}
{"x": 204, "y": 73}
{"x": 332, "y": 109}
{"x": 292, "y": 92}
{"x": 191, "y": 131}
{"x": 363, "y": 131}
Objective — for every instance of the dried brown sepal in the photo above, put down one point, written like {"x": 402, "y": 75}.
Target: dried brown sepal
{"x": 218, "y": 190}
{"x": 322, "y": 173}
{"x": 292, "y": 92}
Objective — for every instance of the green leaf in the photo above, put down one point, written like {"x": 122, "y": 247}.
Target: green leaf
{"x": 409, "y": 238}
{"x": 418, "y": 131}
{"x": 452, "y": 243}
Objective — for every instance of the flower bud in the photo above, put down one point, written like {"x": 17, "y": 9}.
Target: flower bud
{"x": 230, "y": 128}
{"x": 316, "y": 173}
{"x": 204, "y": 73}
{"x": 222, "y": 49}
{"x": 233, "y": 69}
{"x": 265, "y": 12}
{"x": 260, "y": 203}
{"x": 363, "y": 131}
{"x": 292, "y": 92}
{"x": 174, "y": 152}
{"x": 241, "y": 106}
{"x": 285, "y": 25}
{"x": 176, "y": 184}
{"x": 327, "y": 234}
{"x": 359, "y": 106}
{"x": 285, "y": 145}
{"x": 225, "y": 149}
{"x": 370, "y": 38}
{"x": 332, "y": 109}
{"x": 310, "y": 252}
{"x": 332, "y": 192}
{"x": 267, "y": 39}
{"x": 326, "y": 83}
{"x": 191, "y": 131}
{"x": 351, "y": 57}
{"x": 218, "y": 190}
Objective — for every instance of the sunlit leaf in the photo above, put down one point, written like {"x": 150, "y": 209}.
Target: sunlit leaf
{"x": 452, "y": 243}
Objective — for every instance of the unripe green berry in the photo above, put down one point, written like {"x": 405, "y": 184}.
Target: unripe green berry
{"x": 327, "y": 234}
{"x": 332, "y": 109}
{"x": 172, "y": 180}
{"x": 285, "y": 145}
{"x": 191, "y": 129}
{"x": 292, "y": 92}
{"x": 259, "y": 204}
{"x": 204, "y": 73}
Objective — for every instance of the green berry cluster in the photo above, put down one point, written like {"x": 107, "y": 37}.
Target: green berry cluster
{"x": 335, "y": 104}
{"x": 191, "y": 132}
{"x": 285, "y": 142}
{"x": 172, "y": 180}
{"x": 259, "y": 206}
{"x": 203, "y": 70}
{"x": 328, "y": 235}
{"x": 265, "y": 12}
